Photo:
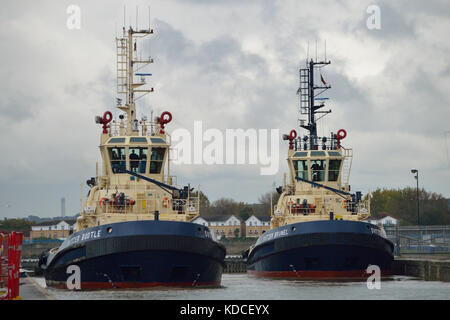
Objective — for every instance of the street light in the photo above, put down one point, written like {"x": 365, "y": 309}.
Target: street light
{"x": 416, "y": 172}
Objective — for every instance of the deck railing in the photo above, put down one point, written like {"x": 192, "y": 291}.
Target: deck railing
{"x": 361, "y": 207}
{"x": 419, "y": 239}
{"x": 163, "y": 205}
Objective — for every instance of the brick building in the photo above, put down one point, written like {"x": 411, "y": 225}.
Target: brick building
{"x": 53, "y": 229}
{"x": 222, "y": 226}
{"x": 256, "y": 226}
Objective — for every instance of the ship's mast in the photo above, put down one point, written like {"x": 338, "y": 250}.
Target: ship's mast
{"x": 127, "y": 63}
{"x": 308, "y": 97}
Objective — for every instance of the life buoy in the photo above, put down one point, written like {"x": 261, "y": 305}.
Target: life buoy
{"x": 103, "y": 201}
{"x": 292, "y": 134}
{"x": 107, "y": 117}
{"x": 165, "y": 202}
{"x": 341, "y": 134}
{"x": 291, "y": 137}
{"x": 163, "y": 120}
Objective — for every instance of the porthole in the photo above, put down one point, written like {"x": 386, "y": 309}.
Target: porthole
{"x": 109, "y": 230}
{"x": 294, "y": 228}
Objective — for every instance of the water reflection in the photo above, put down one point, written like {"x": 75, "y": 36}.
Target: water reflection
{"x": 243, "y": 287}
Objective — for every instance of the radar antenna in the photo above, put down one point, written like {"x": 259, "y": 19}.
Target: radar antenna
{"x": 127, "y": 63}
{"x": 310, "y": 93}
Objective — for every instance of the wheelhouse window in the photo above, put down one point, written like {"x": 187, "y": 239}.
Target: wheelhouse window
{"x": 318, "y": 168}
{"x": 117, "y": 156}
{"x": 333, "y": 170}
{"x": 138, "y": 159}
{"x": 301, "y": 168}
{"x": 156, "y": 160}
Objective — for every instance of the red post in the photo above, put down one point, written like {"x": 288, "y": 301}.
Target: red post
{"x": 11, "y": 248}
{"x": 18, "y": 237}
{"x": 11, "y": 259}
{"x": 2, "y": 282}
{"x": 4, "y": 266}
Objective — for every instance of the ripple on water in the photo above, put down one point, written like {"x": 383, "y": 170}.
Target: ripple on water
{"x": 243, "y": 287}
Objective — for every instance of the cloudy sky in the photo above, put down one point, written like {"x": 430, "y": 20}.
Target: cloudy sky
{"x": 231, "y": 64}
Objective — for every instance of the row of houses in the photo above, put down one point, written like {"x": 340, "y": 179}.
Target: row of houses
{"x": 384, "y": 219}
{"x": 53, "y": 229}
{"x": 232, "y": 226}
{"x": 222, "y": 226}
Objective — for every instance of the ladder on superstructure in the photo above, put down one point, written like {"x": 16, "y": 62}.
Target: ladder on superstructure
{"x": 122, "y": 65}
{"x": 347, "y": 165}
{"x": 303, "y": 91}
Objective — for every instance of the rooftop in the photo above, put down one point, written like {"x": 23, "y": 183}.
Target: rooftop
{"x": 381, "y": 215}
{"x": 218, "y": 218}
{"x": 262, "y": 218}
{"x": 54, "y": 222}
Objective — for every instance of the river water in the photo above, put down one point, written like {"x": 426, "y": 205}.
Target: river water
{"x": 243, "y": 287}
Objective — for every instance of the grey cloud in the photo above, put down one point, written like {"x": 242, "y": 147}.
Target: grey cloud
{"x": 18, "y": 106}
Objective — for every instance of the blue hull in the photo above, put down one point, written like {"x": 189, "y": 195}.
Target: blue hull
{"x": 321, "y": 249}
{"x": 138, "y": 254}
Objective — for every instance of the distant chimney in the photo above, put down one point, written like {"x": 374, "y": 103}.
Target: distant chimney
{"x": 63, "y": 207}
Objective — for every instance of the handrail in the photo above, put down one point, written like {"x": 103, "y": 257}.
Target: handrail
{"x": 323, "y": 186}
{"x": 155, "y": 182}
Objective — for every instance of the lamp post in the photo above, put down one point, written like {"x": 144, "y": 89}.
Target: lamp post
{"x": 416, "y": 172}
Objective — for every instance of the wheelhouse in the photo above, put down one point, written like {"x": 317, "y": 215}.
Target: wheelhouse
{"x": 318, "y": 166}
{"x": 143, "y": 155}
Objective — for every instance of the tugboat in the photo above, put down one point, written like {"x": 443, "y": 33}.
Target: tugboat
{"x": 317, "y": 228}
{"x": 135, "y": 230}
